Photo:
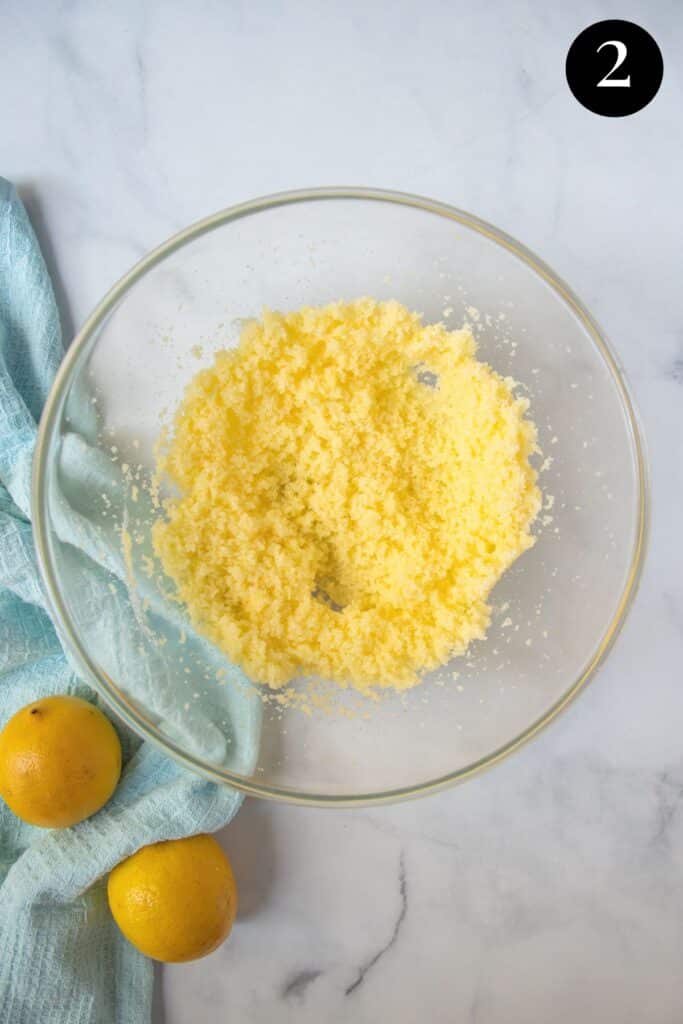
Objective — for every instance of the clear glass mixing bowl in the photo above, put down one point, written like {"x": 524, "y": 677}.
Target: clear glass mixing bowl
{"x": 555, "y": 613}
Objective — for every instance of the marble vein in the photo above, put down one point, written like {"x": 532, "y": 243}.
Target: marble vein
{"x": 403, "y": 909}
{"x": 677, "y": 370}
{"x": 299, "y": 982}
{"x": 669, "y": 796}
{"x": 142, "y": 87}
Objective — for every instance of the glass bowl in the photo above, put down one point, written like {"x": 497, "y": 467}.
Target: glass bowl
{"x": 556, "y": 612}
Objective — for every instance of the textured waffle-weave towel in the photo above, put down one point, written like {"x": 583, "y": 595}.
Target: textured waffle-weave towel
{"x": 62, "y": 959}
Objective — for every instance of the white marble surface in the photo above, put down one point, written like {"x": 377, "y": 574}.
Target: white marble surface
{"x": 550, "y": 889}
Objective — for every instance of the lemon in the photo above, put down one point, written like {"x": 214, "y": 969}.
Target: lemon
{"x": 60, "y": 761}
{"x": 175, "y": 900}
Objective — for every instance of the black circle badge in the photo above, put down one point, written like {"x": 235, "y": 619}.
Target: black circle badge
{"x": 614, "y": 68}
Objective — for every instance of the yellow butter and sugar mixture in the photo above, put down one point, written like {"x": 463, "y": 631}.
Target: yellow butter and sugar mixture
{"x": 350, "y": 483}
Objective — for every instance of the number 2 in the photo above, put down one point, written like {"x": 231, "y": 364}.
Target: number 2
{"x": 615, "y": 83}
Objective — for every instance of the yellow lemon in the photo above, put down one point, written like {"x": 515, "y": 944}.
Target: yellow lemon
{"x": 60, "y": 761}
{"x": 175, "y": 900}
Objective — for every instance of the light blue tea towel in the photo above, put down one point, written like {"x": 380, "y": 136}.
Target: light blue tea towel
{"x": 62, "y": 959}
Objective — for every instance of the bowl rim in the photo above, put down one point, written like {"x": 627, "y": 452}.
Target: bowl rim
{"x": 67, "y": 630}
